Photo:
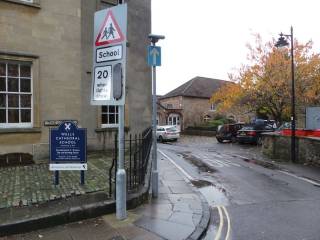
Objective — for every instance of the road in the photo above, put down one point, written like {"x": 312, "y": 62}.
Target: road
{"x": 248, "y": 201}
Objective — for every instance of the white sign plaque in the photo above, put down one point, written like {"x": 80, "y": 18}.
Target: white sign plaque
{"x": 109, "y": 54}
{"x": 102, "y": 83}
{"x": 68, "y": 166}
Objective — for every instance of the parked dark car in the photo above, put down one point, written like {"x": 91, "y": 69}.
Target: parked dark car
{"x": 228, "y": 132}
{"x": 252, "y": 133}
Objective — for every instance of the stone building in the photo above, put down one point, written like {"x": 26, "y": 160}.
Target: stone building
{"x": 188, "y": 104}
{"x": 45, "y": 73}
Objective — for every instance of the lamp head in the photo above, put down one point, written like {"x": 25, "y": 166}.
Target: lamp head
{"x": 282, "y": 42}
{"x": 155, "y": 38}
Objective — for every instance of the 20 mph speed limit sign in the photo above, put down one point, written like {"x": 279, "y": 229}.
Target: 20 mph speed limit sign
{"x": 102, "y": 83}
{"x": 109, "y": 56}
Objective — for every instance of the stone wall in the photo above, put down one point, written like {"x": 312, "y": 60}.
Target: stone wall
{"x": 175, "y": 102}
{"x": 57, "y": 37}
{"x": 49, "y": 38}
{"x": 194, "y": 110}
{"x": 278, "y": 147}
{"x": 138, "y": 85}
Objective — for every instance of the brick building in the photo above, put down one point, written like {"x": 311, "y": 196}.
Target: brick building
{"x": 188, "y": 104}
{"x": 45, "y": 72}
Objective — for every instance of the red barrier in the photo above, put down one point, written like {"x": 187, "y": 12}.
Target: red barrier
{"x": 302, "y": 133}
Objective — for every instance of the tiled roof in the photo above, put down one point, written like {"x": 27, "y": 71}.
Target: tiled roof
{"x": 200, "y": 87}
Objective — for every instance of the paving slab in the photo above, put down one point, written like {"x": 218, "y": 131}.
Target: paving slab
{"x": 165, "y": 229}
{"x": 179, "y": 212}
{"x": 183, "y": 218}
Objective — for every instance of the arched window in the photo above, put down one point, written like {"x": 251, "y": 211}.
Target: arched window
{"x": 206, "y": 118}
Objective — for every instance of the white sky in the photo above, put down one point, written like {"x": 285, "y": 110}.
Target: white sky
{"x": 208, "y": 37}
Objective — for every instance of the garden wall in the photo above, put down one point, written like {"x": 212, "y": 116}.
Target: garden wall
{"x": 278, "y": 147}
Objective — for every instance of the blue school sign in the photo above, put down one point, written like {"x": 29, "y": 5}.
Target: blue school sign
{"x": 68, "y": 144}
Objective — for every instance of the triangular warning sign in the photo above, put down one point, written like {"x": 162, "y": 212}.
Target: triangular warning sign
{"x": 110, "y": 31}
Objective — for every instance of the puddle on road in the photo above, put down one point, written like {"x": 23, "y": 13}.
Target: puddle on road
{"x": 202, "y": 166}
{"x": 214, "y": 195}
{"x": 262, "y": 163}
{"x": 201, "y": 183}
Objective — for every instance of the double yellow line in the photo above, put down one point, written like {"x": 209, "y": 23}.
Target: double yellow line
{"x": 223, "y": 212}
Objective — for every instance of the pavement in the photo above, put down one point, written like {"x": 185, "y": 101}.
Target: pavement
{"x": 179, "y": 212}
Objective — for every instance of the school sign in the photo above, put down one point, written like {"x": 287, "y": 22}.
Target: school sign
{"x": 109, "y": 56}
{"x": 68, "y": 147}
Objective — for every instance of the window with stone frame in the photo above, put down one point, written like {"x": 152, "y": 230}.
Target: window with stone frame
{"x": 16, "y": 96}
{"x": 213, "y": 107}
{"x": 109, "y": 116}
{"x": 206, "y": 118}
{"x": 169, "y": 106}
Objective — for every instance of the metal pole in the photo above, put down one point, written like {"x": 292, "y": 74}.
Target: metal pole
{"x": 155, "y": 174}
{"x": 121, "y": 196}
{"x": 82, "y": 177}
{"x": 293, "y": 112}
{"x": 56, "y": 177}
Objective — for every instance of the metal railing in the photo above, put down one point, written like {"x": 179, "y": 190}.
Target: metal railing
{"x": 137, "y": 151}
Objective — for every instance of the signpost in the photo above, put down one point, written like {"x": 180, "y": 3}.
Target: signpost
{"x": 154, "y": 60}
{"x": 108, "y": 83}
{"x": 68, "y": 149}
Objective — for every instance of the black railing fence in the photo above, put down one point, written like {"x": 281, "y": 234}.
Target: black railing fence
{"x": 137, "y": 151}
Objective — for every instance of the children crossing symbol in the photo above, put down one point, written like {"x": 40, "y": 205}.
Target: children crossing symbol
{"x": 110, "y": 31}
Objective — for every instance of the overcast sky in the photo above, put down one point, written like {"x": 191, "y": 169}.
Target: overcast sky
{"x": 208, "y": 37}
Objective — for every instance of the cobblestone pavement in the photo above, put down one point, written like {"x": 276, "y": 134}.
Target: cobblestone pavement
{"x": 33, "y": 184}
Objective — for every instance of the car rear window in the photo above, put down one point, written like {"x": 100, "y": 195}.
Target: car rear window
{"x": 172, "y": 129}
{"x": 247, "y": 128}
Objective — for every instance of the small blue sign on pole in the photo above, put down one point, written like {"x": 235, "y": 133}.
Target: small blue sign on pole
{"x": 154, "y": 56}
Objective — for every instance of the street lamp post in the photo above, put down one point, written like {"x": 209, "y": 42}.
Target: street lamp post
{"x": 281, "y": 43}
{"x": 155, "y": 175}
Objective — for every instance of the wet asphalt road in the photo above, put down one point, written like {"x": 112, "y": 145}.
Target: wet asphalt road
{"x": 248, "y": 201}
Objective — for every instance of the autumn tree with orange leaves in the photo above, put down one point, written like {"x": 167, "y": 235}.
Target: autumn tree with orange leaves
{"x": 265, "y": 83}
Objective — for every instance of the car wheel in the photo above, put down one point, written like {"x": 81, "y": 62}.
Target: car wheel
{"x": 219, "y": 140}
{"x": 259, "y": 141}
{"x": 160, "y": 139}
{"x": 233, "y": 139}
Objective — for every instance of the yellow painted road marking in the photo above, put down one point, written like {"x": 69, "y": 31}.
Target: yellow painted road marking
{"x": 229, "y": 223}
{"x": 220, "y": 224}
{"x": 223, "y": 211}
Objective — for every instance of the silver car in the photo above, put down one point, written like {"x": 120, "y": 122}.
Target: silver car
{"x": 167, "y": 133}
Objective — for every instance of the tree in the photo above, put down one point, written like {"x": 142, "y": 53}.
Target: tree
{"x": 264, "y": 85}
